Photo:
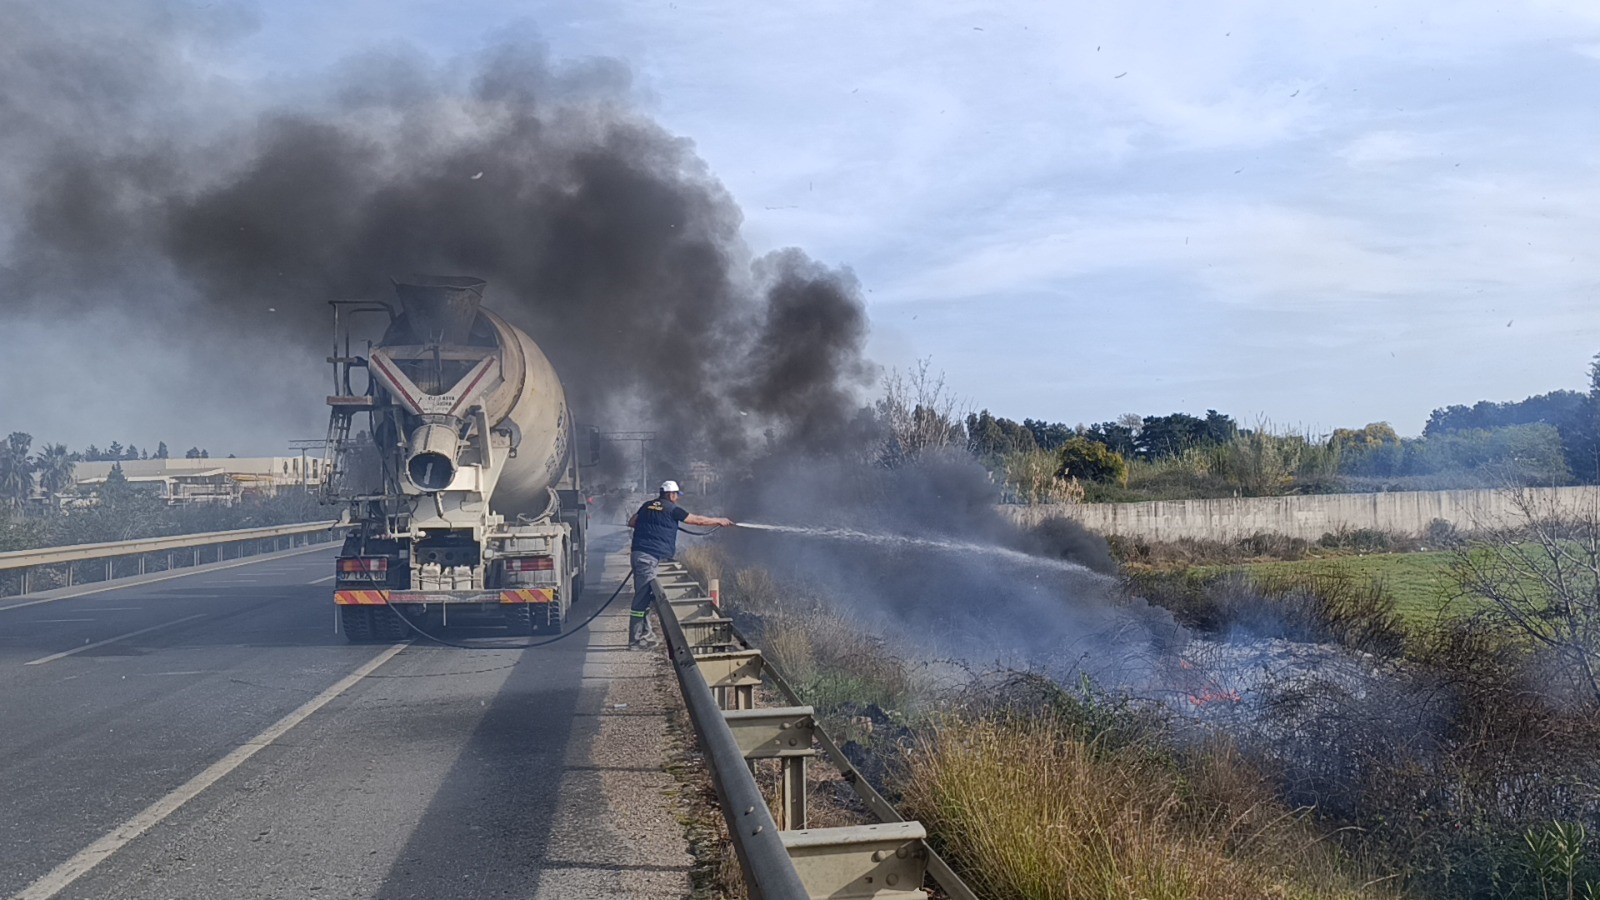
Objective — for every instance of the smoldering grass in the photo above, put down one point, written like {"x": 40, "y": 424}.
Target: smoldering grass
{"x": 830, "y": 662}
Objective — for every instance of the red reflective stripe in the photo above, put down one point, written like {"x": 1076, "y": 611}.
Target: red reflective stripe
{"x": 525, "y": 595}
{"x": 395, "y": 384}
{"x": 466, "y": 395}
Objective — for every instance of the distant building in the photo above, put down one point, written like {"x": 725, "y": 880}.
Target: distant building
{"x": 226, "y": 481}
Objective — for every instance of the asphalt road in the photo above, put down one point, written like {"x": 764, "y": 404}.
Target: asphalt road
{"x": 210, "y": 736}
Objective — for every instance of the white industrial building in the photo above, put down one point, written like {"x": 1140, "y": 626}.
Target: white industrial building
{"x": 211, "y": 480}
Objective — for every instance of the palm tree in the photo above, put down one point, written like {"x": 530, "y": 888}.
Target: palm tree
{"x": 16, "y": 471}
{"x": 54, "y": 465}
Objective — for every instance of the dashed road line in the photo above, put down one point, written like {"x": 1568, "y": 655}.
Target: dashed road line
{"x": 93, "y": 855}
{"x": 121, "y": 637}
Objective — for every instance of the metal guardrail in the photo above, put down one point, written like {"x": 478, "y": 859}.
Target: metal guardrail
{"x": 781, "y": 858}
{"x": 26, "y": 561}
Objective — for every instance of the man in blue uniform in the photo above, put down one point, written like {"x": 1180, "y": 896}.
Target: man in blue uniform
{"x": 655, "y": 538}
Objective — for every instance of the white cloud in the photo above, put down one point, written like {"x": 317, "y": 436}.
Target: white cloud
{"x": 1323, "y": 184}
{"x": 1386, "y": 148}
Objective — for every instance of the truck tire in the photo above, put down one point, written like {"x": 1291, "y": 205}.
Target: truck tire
{"x": 389, "y": 627}
{"x": 553, "y": 618}
{"x": 535, "y": 618}
{"x": 356, "y": 623}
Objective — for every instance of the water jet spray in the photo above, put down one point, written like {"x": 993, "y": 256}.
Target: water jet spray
{"x": 908, "y": 541}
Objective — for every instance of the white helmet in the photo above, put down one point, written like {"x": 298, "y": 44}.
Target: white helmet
{"x": 669, "y": 487}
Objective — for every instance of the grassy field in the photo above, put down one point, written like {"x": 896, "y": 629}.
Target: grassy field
{"x": 1420, "y": 582}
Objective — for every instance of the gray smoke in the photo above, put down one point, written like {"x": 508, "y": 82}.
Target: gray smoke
{"x": 135, "y": 188}
{"x": 975, "y": 607}
{"x": 223, "y": 224}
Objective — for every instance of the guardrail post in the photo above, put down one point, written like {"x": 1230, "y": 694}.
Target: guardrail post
{"x": 143, "y": 558}
{"x": 27, "y": 572}
{"x": 708, "y": 634}
{"x": 733, "y": 676}
{"x": 70, "y": 568}
{"x": 782, "y": 733}
{"x": 887, "y": 860}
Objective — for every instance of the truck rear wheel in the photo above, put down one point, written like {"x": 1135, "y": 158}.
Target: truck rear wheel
{"x": 535, "y": 618}
{"x": 553, "y": 618}
{"x": 356, "y": 622}
{"x": 389, "y": 627}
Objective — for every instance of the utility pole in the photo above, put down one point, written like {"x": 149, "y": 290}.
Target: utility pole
{"x": 643, "y": 438}
{"x": 302, "y": 445}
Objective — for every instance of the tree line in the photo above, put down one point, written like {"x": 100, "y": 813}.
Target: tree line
{"x": 25, "y": 472}
{"x": 1551, "y": 438}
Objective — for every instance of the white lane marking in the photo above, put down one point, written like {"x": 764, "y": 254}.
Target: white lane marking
{"x": 323, "y": 579}
{"x": 212, "y": 567}
{"x": 65, "y": 874}
{"x": 58, "y": 621}
{"x": 121, "y": 637}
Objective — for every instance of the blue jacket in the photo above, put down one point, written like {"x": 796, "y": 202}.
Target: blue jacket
{"x": 655, "y": 530}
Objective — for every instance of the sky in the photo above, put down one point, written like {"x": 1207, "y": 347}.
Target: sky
{"x": 1310, "y": 215}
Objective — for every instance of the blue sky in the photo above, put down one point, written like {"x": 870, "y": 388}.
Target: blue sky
{"x": 1317, "y": 214}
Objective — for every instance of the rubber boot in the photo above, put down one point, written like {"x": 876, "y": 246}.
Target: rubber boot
{"x": 639, "y": 636}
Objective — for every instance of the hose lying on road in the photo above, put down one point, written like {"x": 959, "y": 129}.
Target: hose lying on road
{"x": 547, "y": 641}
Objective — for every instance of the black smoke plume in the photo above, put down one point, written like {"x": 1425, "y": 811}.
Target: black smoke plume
{"x": 218, "y": 224}
{"x": 136, "y": 188}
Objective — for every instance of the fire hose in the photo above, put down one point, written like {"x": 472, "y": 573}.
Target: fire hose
{"x": 547, "y": 641}
{"x": 528, "y": 646}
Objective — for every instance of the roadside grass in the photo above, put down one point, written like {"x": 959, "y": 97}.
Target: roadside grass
{"x": 830, "y": 662}
{"x": 1065, "y": 796}
{"x": 1420, "y": 583}
{"x": 1073, "y": 802}
{"x": 1030, "y": 807}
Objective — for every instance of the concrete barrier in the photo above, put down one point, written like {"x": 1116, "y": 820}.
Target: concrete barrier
{"x": 1309, "y": 517}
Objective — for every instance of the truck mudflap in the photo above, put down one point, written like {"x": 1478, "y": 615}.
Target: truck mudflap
{"x": 508, "y": 596}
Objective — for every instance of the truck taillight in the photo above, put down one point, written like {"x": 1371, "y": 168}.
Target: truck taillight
{"x": 531, "y": 564}
{"x": 369, "y": 566}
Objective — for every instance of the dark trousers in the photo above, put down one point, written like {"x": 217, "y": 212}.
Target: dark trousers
{"x": 644, "y": 577}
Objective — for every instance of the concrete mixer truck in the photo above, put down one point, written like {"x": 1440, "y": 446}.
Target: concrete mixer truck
{"x": 451, "y": 448}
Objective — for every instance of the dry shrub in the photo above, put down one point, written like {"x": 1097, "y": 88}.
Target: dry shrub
{"x": 754, "y": 589}
{"x": 1354, "y": 611}
{"x": 787, "y": 644}
{"x": 1317, "y": 607}
{"x": 832, "y": 663}
{"x": 1509, "y": 757}
{"x": 1032, "y": 809}
{"x": 828, "y": 659}
{"x": 1140, "y": 552}
{"x": 704, "y": 563}
{"x": 1144, "y": 553}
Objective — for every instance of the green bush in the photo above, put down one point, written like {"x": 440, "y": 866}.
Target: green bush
{"x": 1090, "y": 461}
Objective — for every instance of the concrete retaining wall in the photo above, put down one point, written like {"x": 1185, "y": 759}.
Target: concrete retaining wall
{"x": 1309, "y": 517}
